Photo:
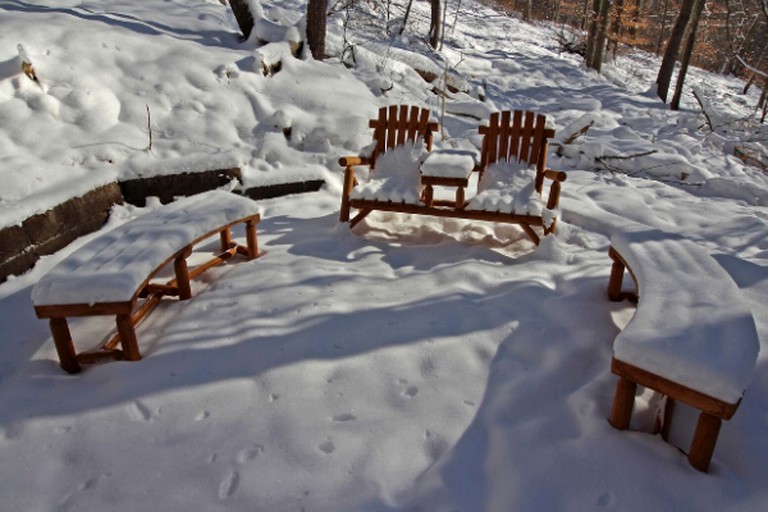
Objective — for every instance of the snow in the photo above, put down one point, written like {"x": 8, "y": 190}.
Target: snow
{"x": 415, "y": 363}
{"x": 692, "y": 326}
{"x": 112, "y": 267}
{"x": 448, "y": 163}
{"x": 396, "y": 176}
{"x": 509, "y": 188}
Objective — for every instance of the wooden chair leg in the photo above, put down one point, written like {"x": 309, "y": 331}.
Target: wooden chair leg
{"x": 623, "y": 403}
{"x": 349, "y": 183}
{"x": 360, "y": 216}
{"x": 460, "y": 198}
{"x": 62, "y": 338}
{"x": 182, "y": 274}
{"x": 128, "y": 337}
{"x": 252, "y": 239}
{"x": 704, "y": 441}
{"x": 429, "y": 195}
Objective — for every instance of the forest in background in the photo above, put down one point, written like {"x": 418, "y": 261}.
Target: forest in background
{"x": 732, "y": 35}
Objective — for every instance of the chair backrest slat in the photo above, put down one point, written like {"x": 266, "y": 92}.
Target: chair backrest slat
{"x": 398, "y": 124}
{"x": 516, "y": 136}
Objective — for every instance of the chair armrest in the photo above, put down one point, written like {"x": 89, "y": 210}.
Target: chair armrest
{"x": 351, "y": 161}
{"x": 558, "y": 176}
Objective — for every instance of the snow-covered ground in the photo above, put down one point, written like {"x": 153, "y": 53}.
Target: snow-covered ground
{"x": 413, "y": 364}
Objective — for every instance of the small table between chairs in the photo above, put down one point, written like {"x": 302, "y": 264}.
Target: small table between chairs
{"x": 446, "y": 168}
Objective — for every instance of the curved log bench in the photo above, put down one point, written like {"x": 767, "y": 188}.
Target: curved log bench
{"x": 692, "y": 338}
{"x": 108, "y": 275}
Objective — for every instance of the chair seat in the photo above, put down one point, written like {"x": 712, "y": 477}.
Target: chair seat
{"x": 508, "y": 188}
{"x": 396, "y": 177}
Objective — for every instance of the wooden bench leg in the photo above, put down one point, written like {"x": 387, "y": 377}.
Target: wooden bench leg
{"x": 623, "y": 403}
{"x": 62, "y": 338}
{"x": 252, "y": 239}
{"x": 704, "y": 440}
{"x": 182, "y": 274}
{"x": 617, "y": 277}
{"x": 128, "y": 337}
{"x": 226, "y": 239}
{"x": 669, "y": 412}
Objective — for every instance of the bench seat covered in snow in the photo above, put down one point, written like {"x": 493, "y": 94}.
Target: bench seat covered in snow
{"x": 692, "y": 338}
{"x": 108, "y": 275}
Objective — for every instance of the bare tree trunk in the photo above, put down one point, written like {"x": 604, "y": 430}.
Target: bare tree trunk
{"x": 689, "y": 43}
{"x": 667, "y": 67}
{"x": 527, "y": 8}
{"x": 243, "y": 16}
{"x": 434, "y": 25}
{"x": 663, "y": 26}
{"x": 598, "y": 32}
{"x": 405, "y": 18}
{"x": 317, "y": 15}
{"x": 591, "y": 15}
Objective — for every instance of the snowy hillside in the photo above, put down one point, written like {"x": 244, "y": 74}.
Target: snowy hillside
{"x": 410, "y": 364}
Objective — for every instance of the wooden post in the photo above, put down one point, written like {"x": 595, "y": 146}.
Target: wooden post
{"x": 62, "y": 338}
{"x": 669, "y": 411}
{"x": 128, "y": 337}
{"x": 349, "y": 180}
{"x": 460, "y": 198}
{"x": 226, "y": 239}
{"x": 251, "y": 239}
{"x": 554, "y": 195}
{"x": 428, "y": 195}
{"x": 704, "y": 440}
{"x": 623, "y": 403}
{"x": 617, "y": 276}
{"x": 182, "y": 274}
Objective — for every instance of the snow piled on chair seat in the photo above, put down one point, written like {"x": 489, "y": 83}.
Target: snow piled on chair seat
{"x": 508, "y": 188}
{"x": 692, "y": 325}
{"x": 111, "y": 267}
{"x": 396, "y": 176}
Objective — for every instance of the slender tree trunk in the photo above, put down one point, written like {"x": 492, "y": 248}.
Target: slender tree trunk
{"x": 663, "y": 26}
{"x": 434, "y": 25}
{"x": 405, "y": 18}
{"x": 598, "y": 32}
{"x": 687, "y": 51}
{"x": 527, "y": 8}
{"x": 592, "y": 32}
{"x": 667, "y": 67}
{"x": 317, "y": 15}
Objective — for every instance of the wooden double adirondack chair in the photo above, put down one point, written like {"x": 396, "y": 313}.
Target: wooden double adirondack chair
{"x": 512, "y": 172}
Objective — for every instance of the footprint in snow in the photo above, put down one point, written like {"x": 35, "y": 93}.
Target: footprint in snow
{"x": 344, "y": 417}
{"x": 249, "y": 454}
{"x": 83, "y": 487}
{"x": 140, "y": 412}
{"x": 228, "y": 486}
{"x": 327, "y": 447}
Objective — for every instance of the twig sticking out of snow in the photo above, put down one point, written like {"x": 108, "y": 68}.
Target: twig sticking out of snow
{"x": 573, "y": 131}
{"x": 149, "y": 129}
{"x": 706, "y": 107}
